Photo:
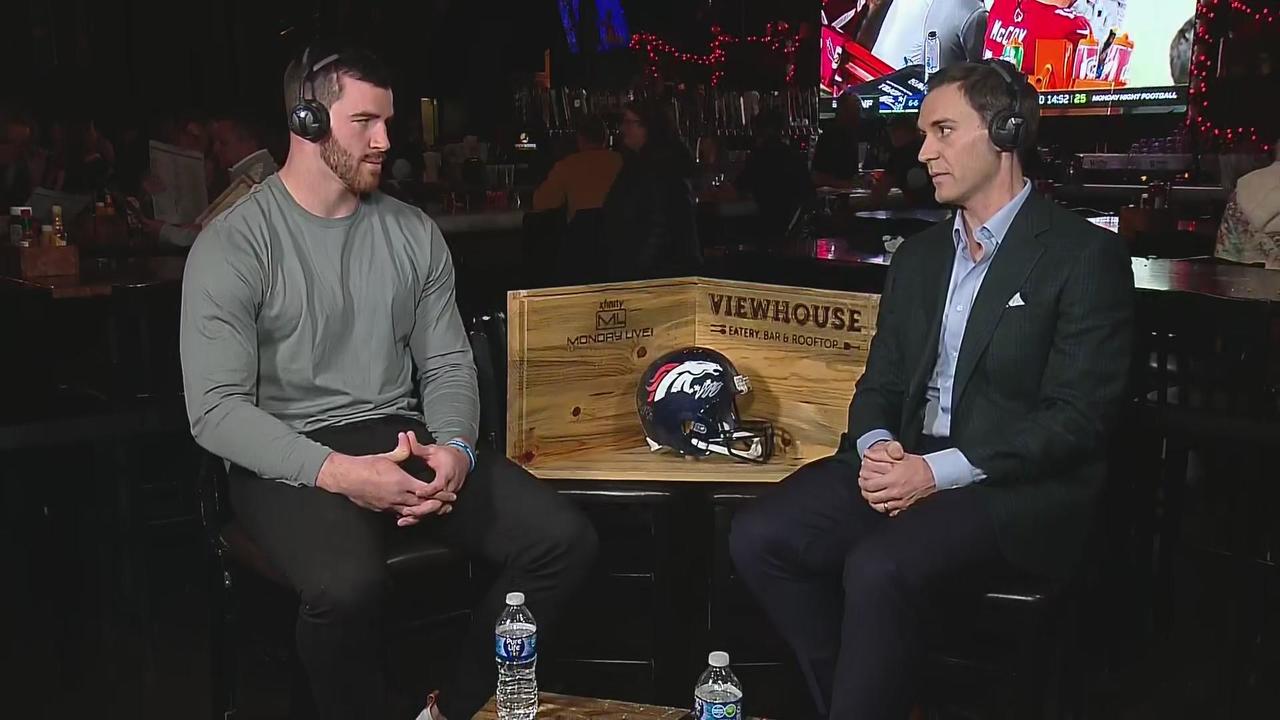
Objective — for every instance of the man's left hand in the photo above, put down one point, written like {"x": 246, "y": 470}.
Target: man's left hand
{"x": 910, "y": 480}
{"x": 450, "y": 465}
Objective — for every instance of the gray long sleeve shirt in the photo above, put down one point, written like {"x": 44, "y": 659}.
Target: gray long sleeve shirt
{"x": 292, "y": 322}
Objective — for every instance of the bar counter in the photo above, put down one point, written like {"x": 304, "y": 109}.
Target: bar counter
{"x": 512, "y": 220}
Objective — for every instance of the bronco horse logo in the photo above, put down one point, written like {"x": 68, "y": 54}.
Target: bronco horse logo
{"x": 683, "y": 377}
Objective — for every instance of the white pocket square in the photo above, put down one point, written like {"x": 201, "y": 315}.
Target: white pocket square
{"x": 1016, "y": 300}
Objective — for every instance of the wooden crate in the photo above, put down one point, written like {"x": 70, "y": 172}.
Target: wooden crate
{"x": 40, "y": 261}
{"x": 575, "y": 356}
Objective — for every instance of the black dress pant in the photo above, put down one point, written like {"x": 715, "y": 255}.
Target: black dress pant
{"x": 851, "y": 589}
{"x": 333, "y": 552}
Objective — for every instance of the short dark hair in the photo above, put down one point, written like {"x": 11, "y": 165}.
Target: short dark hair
{"x": 592, "y": 129}
{"x": 988, "y": 93}
{"x": 325, "y": 82}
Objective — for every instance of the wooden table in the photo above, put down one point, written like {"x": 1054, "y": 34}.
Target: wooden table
{"x": 503, "y": 220}
{"x": 102, "y": 282}
{"x": 568, "y": 707}
{"x": 1191, "y": 275}
{"x": 1206, "y": 277}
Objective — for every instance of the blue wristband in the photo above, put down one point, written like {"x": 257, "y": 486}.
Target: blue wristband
{"x": 471, "y": 454}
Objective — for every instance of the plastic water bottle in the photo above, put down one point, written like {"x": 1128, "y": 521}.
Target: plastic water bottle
{"x": 516, "y": 651}
{"x": 932, "y": 54}
{"x": 718, "y": 695}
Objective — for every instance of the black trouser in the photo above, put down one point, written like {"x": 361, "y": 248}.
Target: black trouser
{"x": 848, "y": 587}
{"x": 333, "y": 553}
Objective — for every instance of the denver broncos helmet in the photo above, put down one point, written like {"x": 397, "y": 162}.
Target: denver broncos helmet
{"x": 687, "y": 400}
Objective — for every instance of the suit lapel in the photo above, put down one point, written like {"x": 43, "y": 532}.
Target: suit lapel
{"x": 1012, "y": 263}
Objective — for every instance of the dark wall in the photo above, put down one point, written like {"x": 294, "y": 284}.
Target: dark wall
{"x": 140, "y": 58}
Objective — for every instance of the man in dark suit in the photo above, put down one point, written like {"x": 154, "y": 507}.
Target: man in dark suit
{"x": 976, "y": 434}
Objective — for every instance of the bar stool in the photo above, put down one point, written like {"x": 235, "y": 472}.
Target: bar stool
{"x": 238, "y": 568}
{"x": 1205, "y": 396}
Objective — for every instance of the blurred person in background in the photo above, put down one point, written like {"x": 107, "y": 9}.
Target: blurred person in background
{"x": 903, "y": 169}
{"x": 1250, "y": 229}
{"x": 775, "y": 176}
{"x": 835, "y": 159}
{"x": 83, "y": 158}
{"x": 649, "y": 223}
{"x": 581, "y": 180}
{"x": 236, "y": 148}
{"x": 22, "y": 161}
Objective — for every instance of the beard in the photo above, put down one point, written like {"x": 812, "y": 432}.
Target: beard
{"x": 359, "y": 177}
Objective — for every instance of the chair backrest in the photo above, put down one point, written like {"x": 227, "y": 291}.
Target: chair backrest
{"x": 495, "y": 325}
{"x": 487, "y": 385}
{"x": 1204, "y": 353}
{"x": 214, "y": 496}
{"x": 580, "y": 259}
{"x": 144, "y": 339}
{"x": 542, "y": 235}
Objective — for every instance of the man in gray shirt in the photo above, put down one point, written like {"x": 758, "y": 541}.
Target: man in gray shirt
{"x": 309, "y": 309}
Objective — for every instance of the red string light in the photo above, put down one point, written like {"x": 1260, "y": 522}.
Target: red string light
{"x": 1258, "y": 15}
{"x": 1202, "y": 65}
{"x": 775, "y": 39}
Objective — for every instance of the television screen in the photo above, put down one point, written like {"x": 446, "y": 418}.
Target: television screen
{"x": 608, "y": 17}
{"x": 1099, "y": 54}
{"x": 612, "y": 23}
{"x": 569, "y": 21}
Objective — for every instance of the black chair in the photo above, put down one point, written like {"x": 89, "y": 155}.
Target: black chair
{"x": 241, "y": 576}
{"x": 493, "y": 415}
{"x": 642, "y": 574}
{"x": 1207, "y": 416}
{"x": 580, "y": 258}
{"x": 542, "y": 235}
{"x": 638, "y": 576}
{"x": 1009, "y": 655}
{"x": 760, "y": 657}
{"x": 495, "y": 327}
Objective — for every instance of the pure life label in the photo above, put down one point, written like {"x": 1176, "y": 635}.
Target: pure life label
{"x": 516, "y": 650}
{"x": 704, "y": 710}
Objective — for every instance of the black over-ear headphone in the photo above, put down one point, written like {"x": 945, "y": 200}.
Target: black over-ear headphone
{"x": 309, "y": 118}
{"x": 1008, "y": 127}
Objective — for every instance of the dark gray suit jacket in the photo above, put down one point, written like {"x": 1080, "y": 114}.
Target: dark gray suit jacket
{"x": 1038, "y": 386}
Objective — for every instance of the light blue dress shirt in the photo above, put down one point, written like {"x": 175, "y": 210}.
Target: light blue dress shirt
{"x": 951, "y": 469}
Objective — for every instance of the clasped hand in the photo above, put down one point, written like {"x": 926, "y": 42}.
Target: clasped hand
{"x": 377, "y": 482}
{"x": 892, "y": 480}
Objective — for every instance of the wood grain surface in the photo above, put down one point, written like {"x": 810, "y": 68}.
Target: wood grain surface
{"x": 566, "y": 707}
{"x": 576, "y": 355}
